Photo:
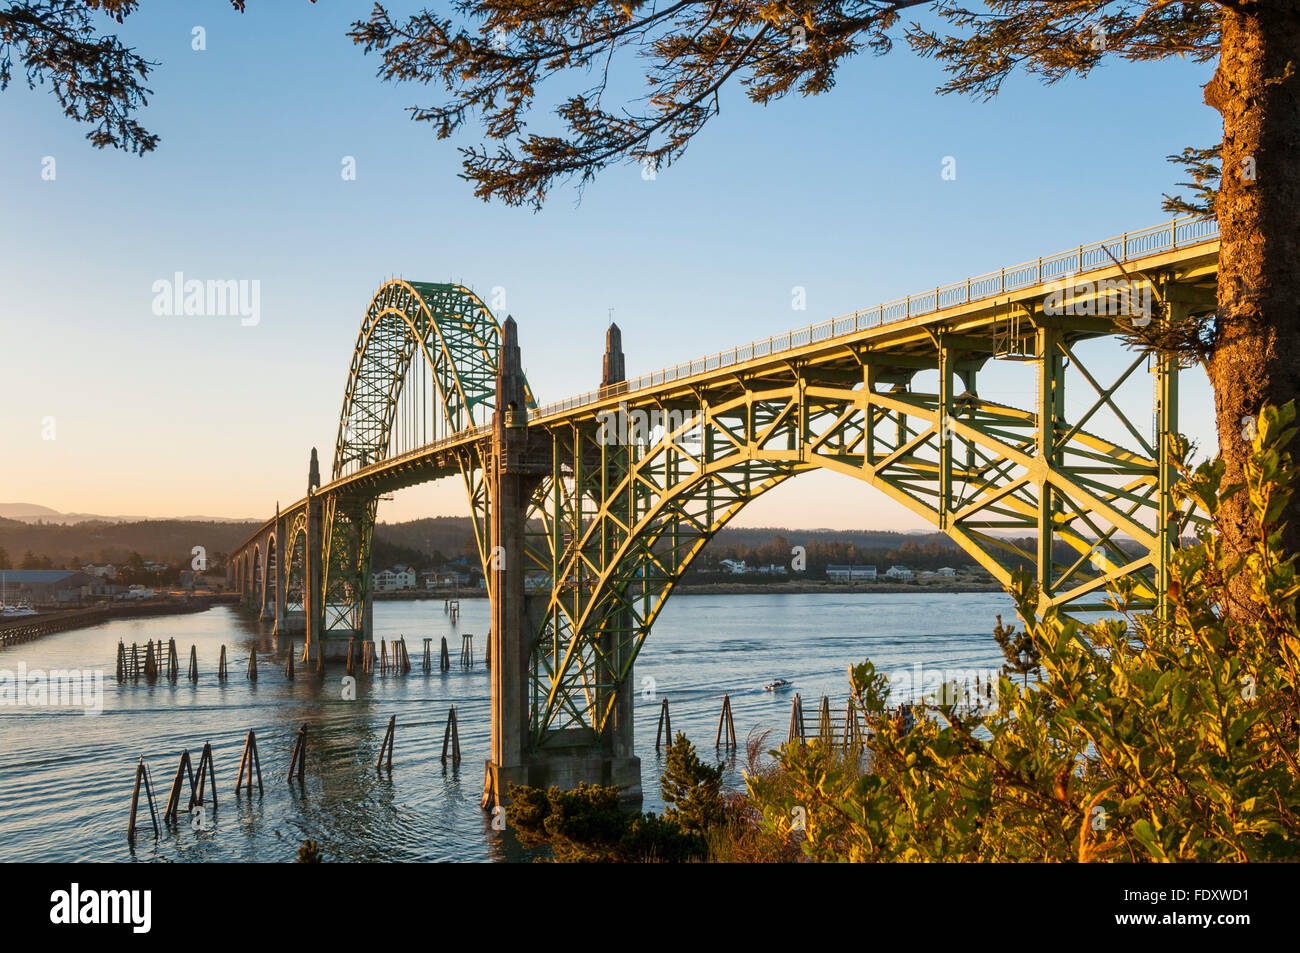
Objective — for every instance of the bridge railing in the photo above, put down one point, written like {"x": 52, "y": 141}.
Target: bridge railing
{"x": 1169, "y": 236}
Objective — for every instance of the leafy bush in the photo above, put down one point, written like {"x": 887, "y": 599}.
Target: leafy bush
{"x": 588, "y": 825}
{"x": 1147, "y": 738}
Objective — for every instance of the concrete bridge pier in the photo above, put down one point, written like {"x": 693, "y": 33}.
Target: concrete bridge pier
{"x": 617, "y": 742}
{"x": 281, "y": 574}
{"x": 516, "y": 756}
{"x": 313, "y": 595}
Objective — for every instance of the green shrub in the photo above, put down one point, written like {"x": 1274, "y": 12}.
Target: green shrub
{"x": 1146, "y": 739}
{"x": 693, "y": 788}
{"x": 588, "y": 825}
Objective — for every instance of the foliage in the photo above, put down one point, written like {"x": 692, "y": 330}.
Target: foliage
{"x": 1203, "y": 166}
{"x": 742, "y": 837}
{"x": 693, "y": 788}
{"x": 1146, "y": 739}
{"x": 1018, "y": 646}
{"x": 95, "y": 78}
{"x": 588, "y": 825}
{"x": 495, "y": 57}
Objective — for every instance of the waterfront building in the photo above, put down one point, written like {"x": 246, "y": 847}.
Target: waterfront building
{"x": 837, "y": 573}
{"x": 46, "y": 587}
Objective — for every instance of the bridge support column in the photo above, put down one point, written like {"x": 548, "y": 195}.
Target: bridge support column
{"x": 1050, "y": 410}
{"x": 313, "y": 596}
{"x": 281, "y": 573}
{"x": 517, "y": 758}
{"x": 1166, "y": 433}
{"x": 618, "y": 740}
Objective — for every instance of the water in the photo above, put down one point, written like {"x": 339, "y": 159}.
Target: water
{"x": 65, "y": 777}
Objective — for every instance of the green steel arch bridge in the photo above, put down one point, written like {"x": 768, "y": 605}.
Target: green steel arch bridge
{"x": 579, "y": 493}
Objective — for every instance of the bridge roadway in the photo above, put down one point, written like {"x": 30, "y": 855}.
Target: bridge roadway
{"x": 905, "y": 326}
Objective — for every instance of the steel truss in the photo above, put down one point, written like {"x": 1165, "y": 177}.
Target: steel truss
{"x": 424, "y": 366}
{"x": 616, "y": 526}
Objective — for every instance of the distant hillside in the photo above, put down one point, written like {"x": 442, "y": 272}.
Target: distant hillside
{"x": 169, "y": 541}
{"x": 862, "y": 539}
{"x": 423, "y": 542}
{"x": 33, "y": 513}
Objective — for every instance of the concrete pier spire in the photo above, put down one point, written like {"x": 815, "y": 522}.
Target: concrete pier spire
{"x": 614, "y": 371}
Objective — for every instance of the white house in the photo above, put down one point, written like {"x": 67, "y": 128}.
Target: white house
{"x": 734, "y": 566}
{"x": 899, "y": 574}
{"x": 389, "y": 579}
{"x": 947, "y": 571}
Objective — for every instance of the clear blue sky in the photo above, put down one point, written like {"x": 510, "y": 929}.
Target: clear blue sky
{"x": 841, "y": 194}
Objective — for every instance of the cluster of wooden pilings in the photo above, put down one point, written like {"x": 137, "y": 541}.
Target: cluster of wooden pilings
{"x": 384, "y": 662}
{"x": 843, "y": 728}
{"x": 154, "y": 660}
{"x": 724, "y": 739}
{"x": 840, "y": 727}
{"x": 199, "y": 807}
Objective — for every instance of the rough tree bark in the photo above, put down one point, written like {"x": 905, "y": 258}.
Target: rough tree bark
{"x": 1256, "y": 354}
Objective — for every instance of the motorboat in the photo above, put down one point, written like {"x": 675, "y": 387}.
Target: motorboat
{"x": 780, "y": 685}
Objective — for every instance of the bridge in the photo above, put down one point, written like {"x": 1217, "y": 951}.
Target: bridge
{"x": 610, "y": 495}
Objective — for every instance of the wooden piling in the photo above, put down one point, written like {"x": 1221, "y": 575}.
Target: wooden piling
{"x": 221, "y": 665}
{"x": 206, "y": 771}
{"x": 428, "y": 655}
{"x": 796, "y": 719}
{"x": 174, "y": 798}
{"x": 383, "y": 656}
{"x": 135, "y": 661}
{"x": 141, "y": 775}
{"x": 150, "y": 664}
{"x": 299, "y": 757}
{"x": 194, "y": 663}
{"x": 387, "y": 745}
{"x": 451, "y": 737}
{"x": 724, "y": 717}
{"x": 665, "y": 722}
{"x": 852, "y": 729}
{"x": 825, "y": 731}
{"x": 406, "y": 658}
{"x": 487, "y": 649}
{"x": 352, "y": 661}
{"x": 173, "y": 663}
{"x": 445, "y": 662}
{"x": 121, "y": 660}
{"x": 253, "y": 762}
{"x": 288, "y": 668}
{"x": 252, "y": 665}
{"x": 466, "y": 651}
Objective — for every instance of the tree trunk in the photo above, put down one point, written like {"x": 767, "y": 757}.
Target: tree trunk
{"x": 1256, "y": 355}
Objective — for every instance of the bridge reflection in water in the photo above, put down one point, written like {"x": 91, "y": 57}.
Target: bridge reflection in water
{"x": 613, "y": 516}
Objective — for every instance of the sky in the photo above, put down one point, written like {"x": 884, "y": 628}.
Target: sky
{"x": 110, "y": 408}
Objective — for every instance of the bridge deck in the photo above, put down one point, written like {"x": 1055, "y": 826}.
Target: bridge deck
{"x": 977, "y": 312}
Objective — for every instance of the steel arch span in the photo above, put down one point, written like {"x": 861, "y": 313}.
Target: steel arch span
{"x": 616, "y": 526}
{"x": 423, "y": 368}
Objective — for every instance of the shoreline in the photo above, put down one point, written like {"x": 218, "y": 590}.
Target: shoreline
{"x": 30, "y": 628}
{"x": 34, "y": 627}
{"x": 742, "y": 589}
